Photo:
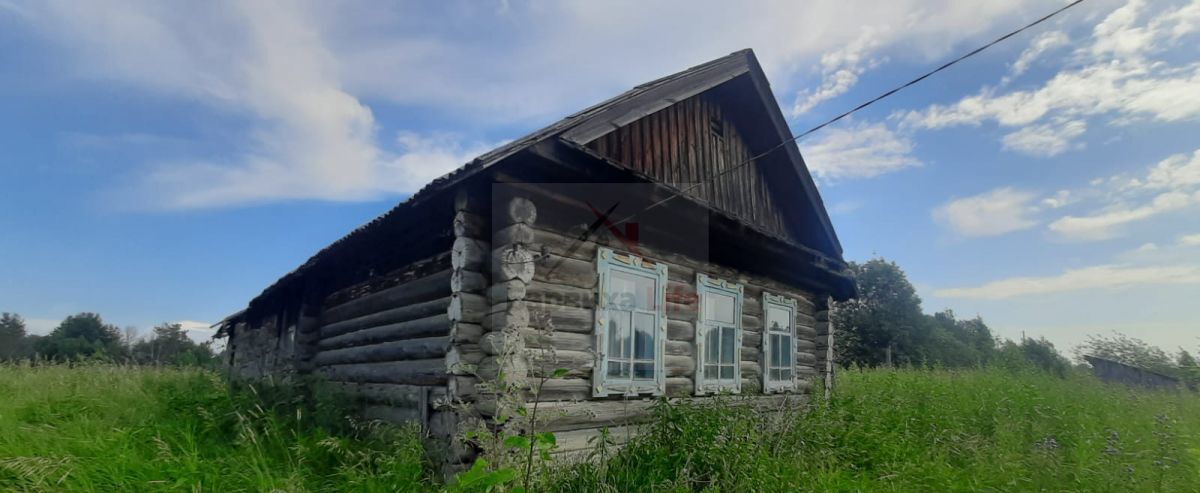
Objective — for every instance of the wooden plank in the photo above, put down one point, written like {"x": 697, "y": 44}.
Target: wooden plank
{"x": 398, "y": 395}
{"x": 410, "y": 349}
{"x": 577, "y": 444}
{"x": 567, "y": 271}
{"x": 679, "y": 330}
{"x": 466, "y": 281}
{"x": 423, "y": 327}
{"x": 637, "y": 160}
{"x": 468, "y": 307}
{"x": 562, "y": 416}
{"x": 424, "y": 289}
{"x": 559, "y": 294}
{"x": 470, "y": 225}
{"x": 469, "y": 254}
{"x": 563, "y": 318}
{"x": 415, "y": 372}
{"x": 394, "y": 315}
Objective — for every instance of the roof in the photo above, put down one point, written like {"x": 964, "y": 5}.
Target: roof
{"x": 595, "y": 121}
{"x": 1094, "y": 359}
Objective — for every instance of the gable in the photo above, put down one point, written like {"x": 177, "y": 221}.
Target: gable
{"x": 695, "y": 141}
{"x": 737, "y": 91}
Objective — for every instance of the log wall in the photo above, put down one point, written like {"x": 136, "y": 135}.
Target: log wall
{"x": 514, "y": 297}
{"x": 554, "y": 327}
{"x": 386, "y": 343}
{"x": 263, "y": 350}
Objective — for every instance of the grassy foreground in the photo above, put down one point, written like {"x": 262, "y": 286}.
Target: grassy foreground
{"x": 107, "y": 428}
{"x": 104, "y": 428}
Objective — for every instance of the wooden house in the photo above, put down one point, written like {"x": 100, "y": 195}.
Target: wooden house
{"x": 667, "y": 242}
{"x": 1116, "y": 372}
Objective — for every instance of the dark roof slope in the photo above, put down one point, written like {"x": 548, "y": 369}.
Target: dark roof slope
{"x": 592, "y": 122}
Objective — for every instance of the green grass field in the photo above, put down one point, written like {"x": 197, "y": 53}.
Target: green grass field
{"x": 103, "y": 428}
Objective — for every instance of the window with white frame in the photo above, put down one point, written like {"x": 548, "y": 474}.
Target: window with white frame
{"x": 779, "y": 343}
{"x": 718, "y": 335}
{"x": 631, "y": 325}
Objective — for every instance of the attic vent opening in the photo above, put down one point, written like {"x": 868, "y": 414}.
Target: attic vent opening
{"x": 716, "y": 127}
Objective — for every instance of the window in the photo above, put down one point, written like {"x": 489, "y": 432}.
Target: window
{"x": 718, "y": 336}
{"x": 631, "y": 325}
{"x": 779, "y": 343}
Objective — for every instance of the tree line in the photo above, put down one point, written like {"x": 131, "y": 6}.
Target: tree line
{"x": 886, "y": 326}
{"x": 86, "y": 336}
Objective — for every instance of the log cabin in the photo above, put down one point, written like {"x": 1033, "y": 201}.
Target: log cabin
{"x": 668, "y": 242}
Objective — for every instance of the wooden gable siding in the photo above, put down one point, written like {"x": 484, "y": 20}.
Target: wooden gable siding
{"x": 691, "y": 142}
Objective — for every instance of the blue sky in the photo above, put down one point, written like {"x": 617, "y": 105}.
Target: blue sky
{"x": 166, "y": 162}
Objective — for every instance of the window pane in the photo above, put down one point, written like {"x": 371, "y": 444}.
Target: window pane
{"x": 785, "y": 374}
{"x": 719, "y": 307}
{"x": 643, "y": 371}
{"x": 618, "y": 334}
{"x": 776, "y": 357}
{"x": 644, "y": 336}
{"x": 726, "y": 372}
{"x": 778, "y": 319}
{"x": 710, "y": 372}
{"x": 616, "y": 369}
{"x": 727, "y": 344}
{"x": 628, "y": 291}
{"x": 786, "y": 348}
{"x": 712, "y": 343}
{"x": 773, "y": 374}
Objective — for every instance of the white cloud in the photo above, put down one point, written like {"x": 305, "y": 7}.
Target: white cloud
{"x": 540, "y": 59}
{"x": 1106, "y": 224}
{"x": 1111, "y": 77}
{"x": 1044, "y": 140}
{"x": 996, "y": 212}
{"x": 310, "y": 138}
{"x": 1060, "y": 198}
{"x": 1045, "y": 42}
{"x": 840, "y": 70}
{"x": 1190, "y": 240}
{"x": 858, "y": 151}
{"x": 1172, "y": 184}
{"x": 1176, "y": 172}
{"x": 294, "y": 78}
{"x": 1119, "y": 33}
{"x": 1095, "y": 277}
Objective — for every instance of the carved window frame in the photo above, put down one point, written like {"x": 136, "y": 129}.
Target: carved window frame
{"x": 706, "y": 287}
{"x": 772, "y": 301}
{"x": 608, "y": 262}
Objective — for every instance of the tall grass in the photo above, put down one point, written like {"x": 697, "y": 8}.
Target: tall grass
{"x": 112, "y": 428}
{"x": 919, "y": 430}
{"x": 106, "y": 428}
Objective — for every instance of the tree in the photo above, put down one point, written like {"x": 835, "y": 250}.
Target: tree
{"x": 14, "y": 342}
{"x": 80, "y": 336}
{"x": 883, "y": 325}
{"x": 1039, "y": 353}
{"x": 169, "y": 344}
{"x": 951, "y": 342}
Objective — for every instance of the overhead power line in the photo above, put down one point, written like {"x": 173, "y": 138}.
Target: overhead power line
{"x": 851, "y": 111}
